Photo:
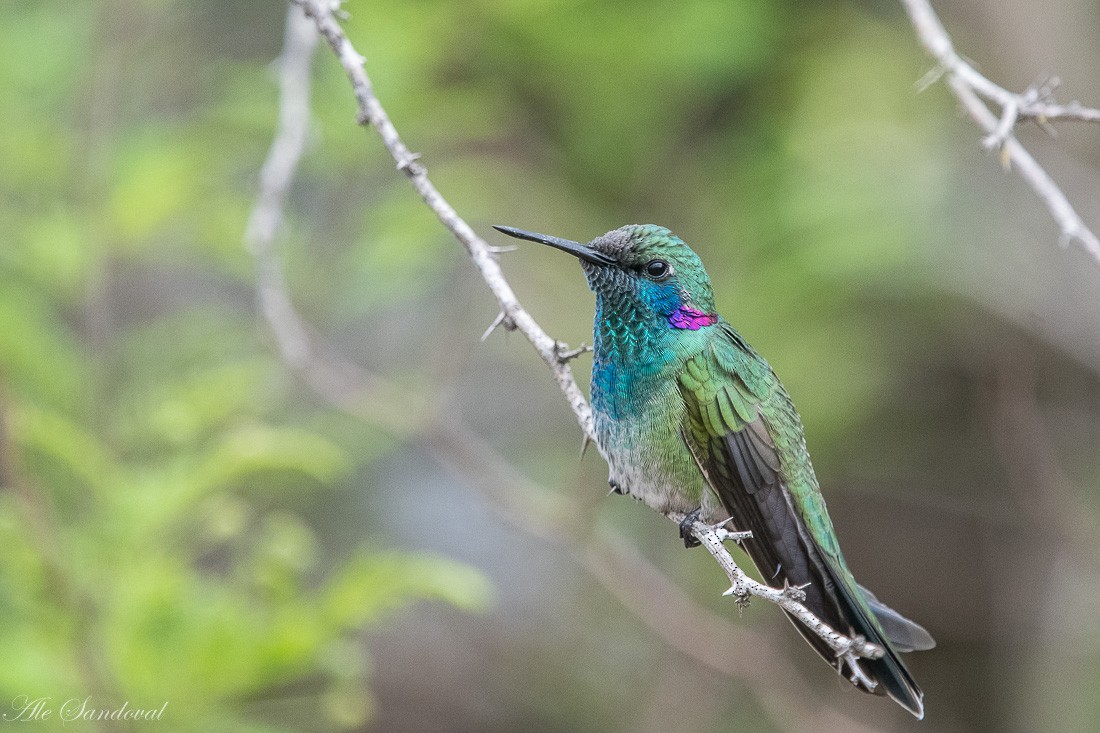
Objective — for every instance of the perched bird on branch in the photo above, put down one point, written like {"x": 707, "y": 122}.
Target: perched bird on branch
{"x": 691, "y": 420}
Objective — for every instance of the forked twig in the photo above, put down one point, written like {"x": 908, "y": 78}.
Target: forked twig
{"x": 970, "y": 87}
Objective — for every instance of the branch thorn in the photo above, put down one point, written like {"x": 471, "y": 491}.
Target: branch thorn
{"x": 565, "y": 355}
{"x": 796, "y": 593}
{"x": 1046, "y": 127}
{"x": 502, "y": 319}
{"x": 930, "y": 77}
{"x": 725, "y": 534}
{"x": 407, "y": 164}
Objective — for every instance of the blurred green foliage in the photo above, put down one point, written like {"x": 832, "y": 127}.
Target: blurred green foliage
{"x": 157, "y": 468}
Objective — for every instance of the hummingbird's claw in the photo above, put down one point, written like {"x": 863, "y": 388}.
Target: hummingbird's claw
{"x": 685, "y": 529}
{"x": 850, "y": 655}
{"x": 585, "y": 440}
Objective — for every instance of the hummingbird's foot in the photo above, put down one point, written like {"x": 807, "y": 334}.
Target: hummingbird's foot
{"x": 858, "y": 646}
{"x": 850, "y": 654}
{"x": 685, "y": 529}
{"x": 615, "y": 488}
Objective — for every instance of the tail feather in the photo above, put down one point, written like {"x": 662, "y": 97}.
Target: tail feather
{"x": 889, "y": 673}
{"x": 787, "y": 553}
{"x": 850, "y": 610}
{"x": 904, "y": 634}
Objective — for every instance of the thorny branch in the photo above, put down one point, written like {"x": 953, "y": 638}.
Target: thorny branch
{"x": 371, "y": 113}
{"x": 970, "y": 87}
{"x": 512, "y": 314}
{"x": 789, "y": 599}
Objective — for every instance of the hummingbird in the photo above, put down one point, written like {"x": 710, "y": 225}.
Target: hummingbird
{"x": 692, "y": 421}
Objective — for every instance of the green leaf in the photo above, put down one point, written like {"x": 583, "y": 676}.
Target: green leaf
{"x": 262, "y": 455}
{"x": 56, "y": 437}
{"x": 370, "y": 586}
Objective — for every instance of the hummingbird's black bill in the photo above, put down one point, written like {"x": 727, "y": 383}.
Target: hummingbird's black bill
{"x": 583, "y": 251}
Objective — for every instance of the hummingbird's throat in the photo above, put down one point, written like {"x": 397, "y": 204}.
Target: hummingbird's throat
{"x": 690, "y": 319}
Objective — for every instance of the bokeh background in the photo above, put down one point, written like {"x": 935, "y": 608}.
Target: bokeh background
{"x": 184, "y": 520}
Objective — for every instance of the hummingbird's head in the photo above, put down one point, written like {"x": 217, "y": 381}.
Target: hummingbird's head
{"x": 641, "y": 268}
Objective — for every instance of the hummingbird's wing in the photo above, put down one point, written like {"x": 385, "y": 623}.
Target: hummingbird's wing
{"x": 747, "y": 439}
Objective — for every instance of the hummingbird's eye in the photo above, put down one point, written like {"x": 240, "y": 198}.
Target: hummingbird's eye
{"x": 658, "y": 269}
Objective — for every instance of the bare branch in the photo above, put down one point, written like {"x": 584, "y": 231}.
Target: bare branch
{"x": 971, "y": 87}
{"x": 372, "y": 113}
{"x": 1072, "y": 112}
{"x": 742, "y": 587}
{"x": 338, "y": 382}
{"x": 300, "y": 40}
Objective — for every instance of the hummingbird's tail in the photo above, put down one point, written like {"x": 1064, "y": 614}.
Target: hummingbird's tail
{"x": 860, "y": 613}
{"x": 786, "y": 553}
